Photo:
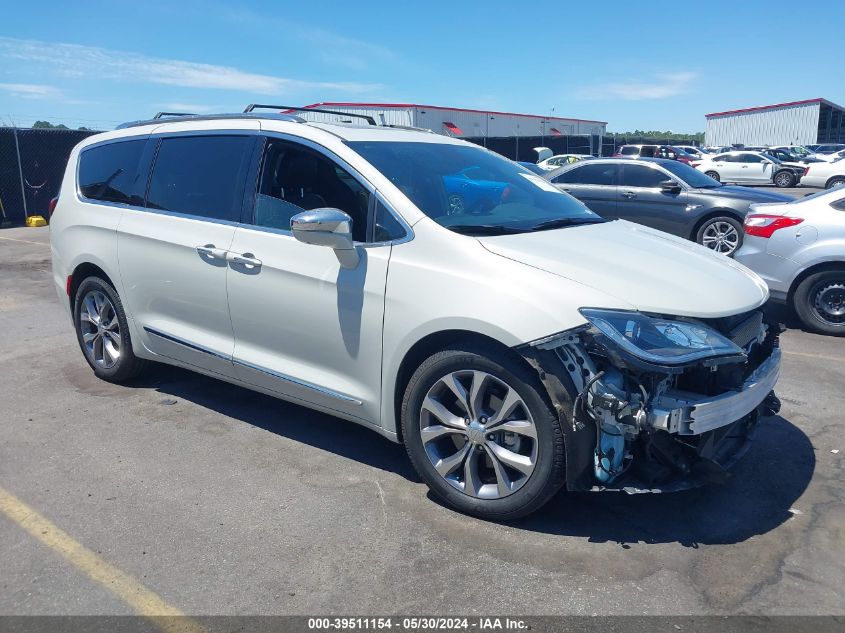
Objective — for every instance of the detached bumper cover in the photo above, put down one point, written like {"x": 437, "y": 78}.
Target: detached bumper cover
{"x": 690, "y": 414}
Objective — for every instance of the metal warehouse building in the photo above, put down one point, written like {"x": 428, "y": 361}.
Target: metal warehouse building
{"x": 461, "y": 122}
{"x": 793, "y": 123}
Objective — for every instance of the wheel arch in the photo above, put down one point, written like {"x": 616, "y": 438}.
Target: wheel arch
{"x": 431, "y": 344}
{"x": 832, "y": 179}
{"x": 80, "y": 273}
{"x": 812, "y": 270}
{"x": 713, "y": 213}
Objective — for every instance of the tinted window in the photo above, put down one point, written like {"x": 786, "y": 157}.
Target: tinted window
{"x": 387, "y": 227}
{"x": 296, "y": 179}
{"x": 110, "y": 172}
{"x": 642, "y": 176}
{"x": 591, "y": 174}
{"x": 749, "y": 158}
{"x": 201, "y": 175}
{"x": 839, "y": 205}
{"x": 629, "y": 150}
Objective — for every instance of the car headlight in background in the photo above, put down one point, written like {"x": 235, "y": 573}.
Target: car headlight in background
{"x": 658, "y": 340}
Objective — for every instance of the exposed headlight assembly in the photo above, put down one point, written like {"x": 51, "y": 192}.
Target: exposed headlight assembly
{"x": 657, "y": 340}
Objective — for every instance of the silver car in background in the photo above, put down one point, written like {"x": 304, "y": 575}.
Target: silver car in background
{"x": 799, "y": 249}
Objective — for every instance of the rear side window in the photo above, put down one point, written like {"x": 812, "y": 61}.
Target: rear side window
{"x": 109, "y": 173}
{"x": 589, "y": 174}
{"x": 201, "y": 175}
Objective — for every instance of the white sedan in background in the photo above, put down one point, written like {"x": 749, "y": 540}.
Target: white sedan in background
{"x": 748, "y": 168}
{"x": 827, "y": 175}
{"x": 560, "y": 160}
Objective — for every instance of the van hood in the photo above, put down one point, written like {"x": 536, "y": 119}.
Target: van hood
{"x": 650, "y": 270}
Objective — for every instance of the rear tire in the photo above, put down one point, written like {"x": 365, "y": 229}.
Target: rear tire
{"x": 722, "y": 234}
{"x": 784, "y": 179}
{"x": 819, "y": 302}
{"x": 714, "y": 175}
{"x": 103, "y": 332}
{"x": 461, "y": 464}
{"x": 836, "y": 181}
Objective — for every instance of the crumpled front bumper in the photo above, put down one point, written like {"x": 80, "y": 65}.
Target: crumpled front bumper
{"x": 690, "y": 414}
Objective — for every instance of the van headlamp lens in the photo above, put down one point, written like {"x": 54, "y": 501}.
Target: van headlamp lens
{"x": 658, "y": 340}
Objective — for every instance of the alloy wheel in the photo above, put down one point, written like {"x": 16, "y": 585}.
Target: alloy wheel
{"x": 783, "y": 180}
{"x": 721, "y": 237}
{"x": 478, "y": 434}
{"x": 100, "y": 329}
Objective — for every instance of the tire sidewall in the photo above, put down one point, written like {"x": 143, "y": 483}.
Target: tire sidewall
{"x": 713, "y": 174}
{"x": 125, "y": 366}
{"x": 807, "y": 313}
{"x": 537, "y": 489}
{"x": 834, "y": 182}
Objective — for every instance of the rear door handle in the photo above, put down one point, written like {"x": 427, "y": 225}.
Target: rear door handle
{"x": 247, "y": 259}
{"x": 212, "y": 252}
{"x": 629, "y": 194}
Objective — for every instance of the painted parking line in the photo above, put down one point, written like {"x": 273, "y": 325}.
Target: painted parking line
{"x": 143, "y": 601}
{"x": 14, "y": 239}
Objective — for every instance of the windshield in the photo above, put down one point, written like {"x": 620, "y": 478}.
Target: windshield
{"x": 690, "y": 175}
{"x": 471, "y": 190}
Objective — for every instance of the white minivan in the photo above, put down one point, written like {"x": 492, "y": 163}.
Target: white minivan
{"x": 515, "y": 343}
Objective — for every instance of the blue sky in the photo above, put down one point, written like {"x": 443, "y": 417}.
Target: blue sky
{"x": 647, "y": 65}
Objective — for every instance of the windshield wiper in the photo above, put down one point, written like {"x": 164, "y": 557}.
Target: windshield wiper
{"x": 559, "y": 223}
{"x": 485, "y": 229}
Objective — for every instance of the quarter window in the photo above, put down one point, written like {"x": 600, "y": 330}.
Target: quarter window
{"x": 201, "y": 175}
{"x": 386, "y": 226}
{"x": 109, "y": 173}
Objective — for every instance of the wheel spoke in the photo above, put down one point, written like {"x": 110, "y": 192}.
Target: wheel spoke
{"x": 472, "y": 480}
{"x": 522, "y": 463}
{"x": 114, "y": 336}
{"x": 509, "y": 403}
{"x": 443, "y": 414}
{"x": 503, "y": 482}
{"x": 91, "y": 311}
{"x": 436, "y": 431}
{"x": 476, "y": 393}
{"x": 87, "y": 337}
{"x": 447, "y": 465}
{"x": 522, "y": 427}
{"x": 451, "y": 381}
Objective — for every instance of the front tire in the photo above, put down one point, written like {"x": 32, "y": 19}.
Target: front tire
{"x": 819, "y": 302}
{"x": 103, "y": 332}
{"x": 480, "y": 431}
{"x": 722, "y": 234}
{"x": 784, "y": 179}
{"x": 713, "y": 174}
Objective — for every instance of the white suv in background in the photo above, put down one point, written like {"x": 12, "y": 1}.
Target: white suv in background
{"x": 514, "y": 347}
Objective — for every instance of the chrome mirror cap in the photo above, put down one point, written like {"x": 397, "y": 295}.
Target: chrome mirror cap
{"x": 327, "y": 227}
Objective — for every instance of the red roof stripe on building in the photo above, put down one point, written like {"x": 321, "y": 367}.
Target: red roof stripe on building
{"x": 335, "y": 104}
{"x": 776, "y": 105}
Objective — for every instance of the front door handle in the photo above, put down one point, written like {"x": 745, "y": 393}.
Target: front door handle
{"x": 212, "y": 252}
{"x": 629, "y": 194}
{"x": 247, "y": 259}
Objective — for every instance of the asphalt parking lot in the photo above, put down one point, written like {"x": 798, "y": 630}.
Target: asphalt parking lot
{"x": 217, "y": 500}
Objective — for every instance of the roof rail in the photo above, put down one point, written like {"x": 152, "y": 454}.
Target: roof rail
{"x": 215, "y": 117}
{"x": 161, "y": 115}
{"x": 281, "y": 108}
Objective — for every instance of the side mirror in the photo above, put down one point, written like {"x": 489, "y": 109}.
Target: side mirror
{"x": 670, "y": 186}
{"x": 327, "y": 227}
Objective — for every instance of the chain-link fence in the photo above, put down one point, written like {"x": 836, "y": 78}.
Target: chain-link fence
{"x": 32, "y": 164}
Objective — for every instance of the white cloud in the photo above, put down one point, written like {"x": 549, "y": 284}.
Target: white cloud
{"x": 74, "y": 60}
{"x": 661, "y": 87}
{"x": 31, "y": 91}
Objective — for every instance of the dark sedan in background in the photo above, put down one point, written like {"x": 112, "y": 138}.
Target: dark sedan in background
{"x": 666, "y": 195}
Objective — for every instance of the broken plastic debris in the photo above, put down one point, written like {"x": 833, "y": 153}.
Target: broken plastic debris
{"x": 795, "y": 511}
{"x": 835, "y": 451}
